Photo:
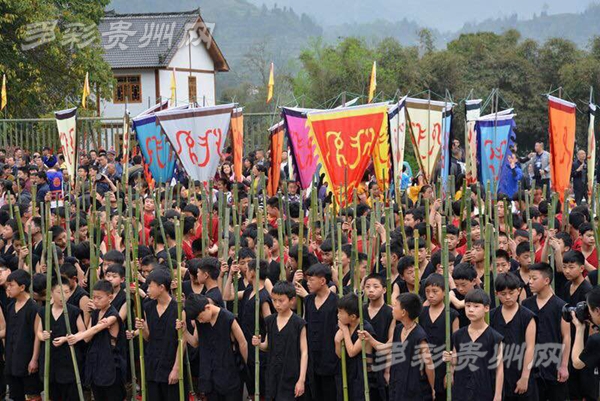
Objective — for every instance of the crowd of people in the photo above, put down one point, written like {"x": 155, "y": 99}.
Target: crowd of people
{"x": 337, "y": 301}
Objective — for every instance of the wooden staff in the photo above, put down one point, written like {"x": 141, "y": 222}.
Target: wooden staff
{"x": 179, "y": 252}
{"x": 48, "y": 344}
{"x": 260, "y": 249}
{"x": 551, "y": 218}
{"x": 388, "y": 256}
{"x": 565, "y": 213}
{"x": 338, "y": 262}
{"x": 68, "y": 226}
{"x": 596, "y": 190}
{"x": 427, "y": 228}
{"x": 445, "y": 263}
{"x": 68, "y": 326}
{"x": 486, "y": 264}
{"x": 130, "y": 322}
{"x": 529, "y": 225}
{"x": 416, "y": 260}
{"x": 138, "y": 301}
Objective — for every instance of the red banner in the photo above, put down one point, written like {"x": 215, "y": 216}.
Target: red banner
{"x": 237, "y": 138}
{"x": 562, "y": 142}
{"x": 276, "y": 150}
{"x": 345, "y": 141}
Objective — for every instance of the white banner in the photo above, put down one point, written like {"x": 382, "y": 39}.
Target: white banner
{"x": 66, "y": 121}
{"x": 198, "y": 136}
{"x": 397, "y": 117}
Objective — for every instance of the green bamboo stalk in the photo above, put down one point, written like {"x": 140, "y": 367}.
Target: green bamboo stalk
{"x": 388, "y": 257}
{"x": 529, "y": 226}
{"x": 179, "y": 252}
{"x": 236, "y": 276}
{"x": 280, "y": 240}
{"x": 402, "y": 228}
{"x": 259, "y": 256}
{"x": 93, "y": 264}
{"x": 417, "y": 273}
{"x": 363, "y": 350}
{"x": 162, "y": 232}
{"x": 427, "y": 226}
{"x": 68, "y": 224}
{"x": 130, "y": 322}
{"x": 486, "y": 264}
{"x": 338, "y": 262}
{"x": 48, "y": 344}
{"x": 108, "y": 210}
{"x": 565, "y": 213}
{"x": 551, "y": 217}
{"x": 445, "y": 263}
{"x": 468, "y": 206}
{"x": 225, "y": 251}
{"x": 68, "y": 326}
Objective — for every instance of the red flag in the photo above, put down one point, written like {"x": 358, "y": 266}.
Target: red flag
{"x": 276, "y": 150}
{"x": 562, "y": 142}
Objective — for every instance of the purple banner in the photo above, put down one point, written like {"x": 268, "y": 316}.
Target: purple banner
{"x": 305, "y": 158}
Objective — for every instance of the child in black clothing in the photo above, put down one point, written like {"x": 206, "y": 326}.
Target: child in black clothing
{"x": 465, "y": 279}
{"x": 215, "y": 331}
{"x": 517, "y": 325}
{"x": 348, "y": 324}
{"x": 380, "y": 315}
{"x": 407, "y": 344}
{"x": 286, "y": 346}
{"x": 115, "y": 274}
{"x": 476, "y": 355}
{"x": 320, "y": 313}
{"x": 433, "y": 321}
{"x": 161, "y": 349}
{"x": 22, "y": 347}
{"x": 583, "y": 383}
{"x": 62, "y": 372}
{"x": 208, "y": 274}
{"x": 553, "y": 339}
{"x": 105, "y": 362}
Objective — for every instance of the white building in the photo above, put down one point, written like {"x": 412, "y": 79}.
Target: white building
{"x": 143, "y": 50}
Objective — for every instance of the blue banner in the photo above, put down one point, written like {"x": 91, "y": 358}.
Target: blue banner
{"x": 155, "y": 148}
{"x": 445, "y": 152}
{"x": 494, "y": 136}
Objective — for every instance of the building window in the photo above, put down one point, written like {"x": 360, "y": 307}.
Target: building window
{"x": 128, "y": 89}
{"x": 192, "y": 88}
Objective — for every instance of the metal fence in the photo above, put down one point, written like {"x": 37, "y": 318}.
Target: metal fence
{"x": 95, "y": 132}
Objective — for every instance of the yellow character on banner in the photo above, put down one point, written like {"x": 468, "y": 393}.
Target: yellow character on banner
{"x": 338, "y": 143}
{"x": 355, "y": 142}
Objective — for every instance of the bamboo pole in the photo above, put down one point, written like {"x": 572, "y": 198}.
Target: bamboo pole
{"x": 338, "y": 262}
{"x": 427, "y": 226}
{"x": 259, "y": 256}
{"x": 179, "y": 252}
{"x": 280, "y": 240}
{"x": 445, "y": 263}
{"x": 388, "y": 257}
{"x": 236, "y": 276}
{"x": 529, "y": 226}
{"x": 551, "y": 218}
{"x": 130, "y": 322}
{"x": 468, "y": 207}
{"x": 48, "y": 344}
{"x": 68, "y": 327}
{"x": 486, "y": 264}
{"x": 417, "y": 274}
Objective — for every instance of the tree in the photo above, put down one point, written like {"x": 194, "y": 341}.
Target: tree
{"x": 50, "y": 76}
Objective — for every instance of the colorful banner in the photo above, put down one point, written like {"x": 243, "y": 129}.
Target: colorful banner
{"x": 155, "y": 147}
{"x": 397, "y": 129}
{"x": 591, "y": 150}
{"x": 303, "y": 149}
{"x": 562, "y": 142}
{"x": 445, "y": 153}
{"x": 345, "y": 140}
{"x": 425, "y": 124}
{"x": 198, "y": 136}
{"x": 382, "y": 162}
{"x": 472, "y": 113}
{"x": 66, "y": 121}
{"x": 276, "y": 146}
{"x": 493, "y": 137}
{"x": 237, "y": 139}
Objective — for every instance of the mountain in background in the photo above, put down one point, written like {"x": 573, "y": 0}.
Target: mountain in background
{"x": 435, "y": 14}
{"x": 254, "y": 32}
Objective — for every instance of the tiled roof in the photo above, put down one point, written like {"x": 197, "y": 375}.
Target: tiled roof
{"x": 149, "y": 40}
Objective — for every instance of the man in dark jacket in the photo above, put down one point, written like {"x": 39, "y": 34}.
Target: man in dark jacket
{"x": 579, "y": 175}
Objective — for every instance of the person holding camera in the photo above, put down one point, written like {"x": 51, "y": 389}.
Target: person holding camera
{"x": 586, "y": 353}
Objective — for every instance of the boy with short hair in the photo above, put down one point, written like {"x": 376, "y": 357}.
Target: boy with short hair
{"x": 348, "y": 324}
{"x": 158, "y": 329}
{"x": 380, "y": 315}
{"x": 115, "y": 274}
{"x": 105, "y": 362}
{"x": 62, "y": 374}
{"x": 522, "y": 273}
{"x": 209, "y": 269}
{"x": 22, "y": 347}
{"x": 215, "y": 328}
{"x": 433, "y": 321}
{"x": 286, "y": 346}
{"x": 406, "y": 277}
{"x": 553, "y": 334}
{"x": 517, "y": 325}
{"x": 480, "y": 380}
{"x": 406, "y": 379}
{"x": 320, "y": 313}
{"x": 465, "y": 279}
{"x": 79, "y": 297}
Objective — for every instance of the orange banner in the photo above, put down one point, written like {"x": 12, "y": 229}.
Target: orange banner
{"x": 276, "y": 150}
{"x": 237, "y": 139}
{"x": 562, "y": 142}
{"x": 345, "y": 141}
